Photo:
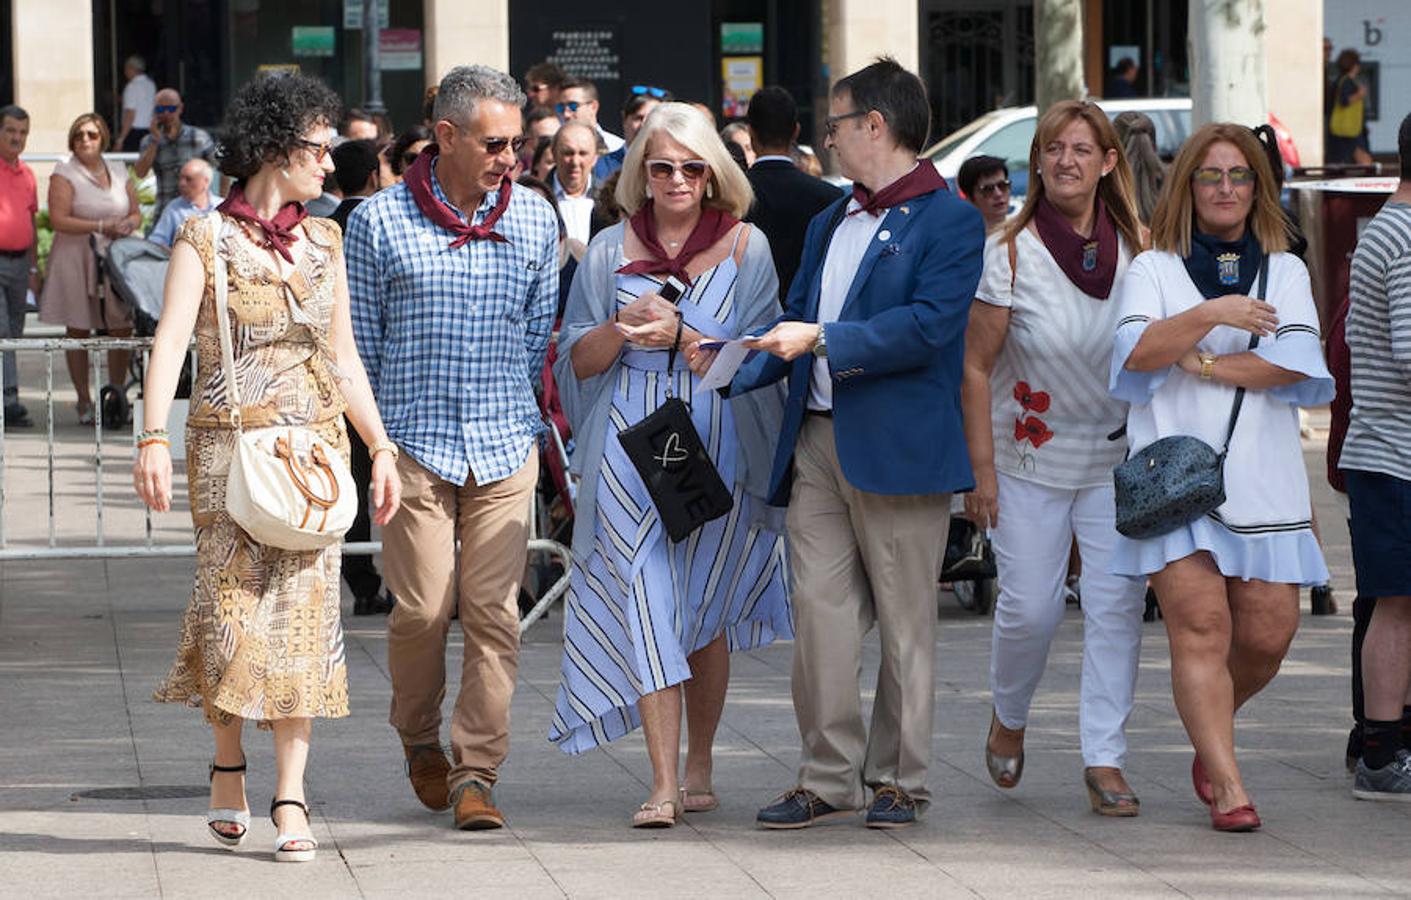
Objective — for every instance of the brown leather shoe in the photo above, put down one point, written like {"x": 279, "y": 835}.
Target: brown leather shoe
{"x": 475, "y": 811}
{"x": 427, "y": 767}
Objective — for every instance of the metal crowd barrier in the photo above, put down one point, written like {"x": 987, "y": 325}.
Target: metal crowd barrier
{"x": 101, "y": 548}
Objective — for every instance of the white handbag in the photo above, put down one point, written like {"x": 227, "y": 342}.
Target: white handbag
{"x": 287, "y": 487}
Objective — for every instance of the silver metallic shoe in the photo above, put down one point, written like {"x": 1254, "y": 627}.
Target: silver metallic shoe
{"x": 1110, "y": 803}
{"x": 1005, "y": 771}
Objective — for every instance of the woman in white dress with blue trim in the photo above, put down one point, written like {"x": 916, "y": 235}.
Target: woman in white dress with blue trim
{"x": 645, "y": 615}
{"x": 1227, "y": 582}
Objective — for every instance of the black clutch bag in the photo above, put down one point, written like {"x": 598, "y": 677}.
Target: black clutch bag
{"x": 680, "y": 476}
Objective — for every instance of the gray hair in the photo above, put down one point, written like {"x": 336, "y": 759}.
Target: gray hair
{"x": 201, "y": 166}
{"x": 136, "y": 62}
{"x": 463, "y": 86}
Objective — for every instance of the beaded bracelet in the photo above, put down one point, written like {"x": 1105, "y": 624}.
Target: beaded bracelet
{"x": 151, "y": 433}
{"x": 154, "y": 440}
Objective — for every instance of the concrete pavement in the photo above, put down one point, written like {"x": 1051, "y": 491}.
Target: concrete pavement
{"x": 102, "y": 791}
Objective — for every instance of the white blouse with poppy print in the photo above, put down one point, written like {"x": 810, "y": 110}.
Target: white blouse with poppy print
{"x": 1050, "y": 407}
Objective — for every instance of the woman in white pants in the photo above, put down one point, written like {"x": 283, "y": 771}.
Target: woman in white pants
{"x": 1037, "y": 419}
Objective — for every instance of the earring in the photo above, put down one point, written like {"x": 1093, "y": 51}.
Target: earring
{"x": 284, "y": 172}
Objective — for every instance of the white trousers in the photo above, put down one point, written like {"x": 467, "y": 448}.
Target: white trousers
{"x": 1031, "y": 543}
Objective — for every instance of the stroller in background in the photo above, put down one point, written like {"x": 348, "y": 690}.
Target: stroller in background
{"x": 134, "y": 269}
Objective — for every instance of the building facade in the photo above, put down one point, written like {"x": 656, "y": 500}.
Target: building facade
{"x": 62, "y": 57}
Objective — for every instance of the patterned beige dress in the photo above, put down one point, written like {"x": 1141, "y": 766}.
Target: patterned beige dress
{"x": 262, "y": 638}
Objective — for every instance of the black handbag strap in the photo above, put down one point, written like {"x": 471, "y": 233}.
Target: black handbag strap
{"x": 1253, "y": 342}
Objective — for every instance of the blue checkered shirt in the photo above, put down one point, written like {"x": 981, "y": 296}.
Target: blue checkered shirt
{"x": 454, "y": 340}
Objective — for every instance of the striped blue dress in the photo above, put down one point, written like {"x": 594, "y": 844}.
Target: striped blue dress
{"x": 639, "y": 604}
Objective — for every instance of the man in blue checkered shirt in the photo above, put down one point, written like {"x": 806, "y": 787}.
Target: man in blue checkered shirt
{"x": 454, "y": 280}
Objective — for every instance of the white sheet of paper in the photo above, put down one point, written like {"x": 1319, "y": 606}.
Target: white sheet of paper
{"x": 727, "y": 363}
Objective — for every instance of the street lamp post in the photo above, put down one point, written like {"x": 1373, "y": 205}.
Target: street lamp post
{"x": 372, "y": 59}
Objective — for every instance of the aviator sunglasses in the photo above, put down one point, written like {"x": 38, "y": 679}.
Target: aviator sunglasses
{"x": 691, "y": 169}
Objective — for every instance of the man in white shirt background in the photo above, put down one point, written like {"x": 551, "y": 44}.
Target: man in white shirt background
{"x": 138, "y": 98}
{"x": 575, "y": 154}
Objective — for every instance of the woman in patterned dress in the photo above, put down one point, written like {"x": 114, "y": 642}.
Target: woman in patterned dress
{"x": 646, "y": 615}
{"x": 261, "y": 638}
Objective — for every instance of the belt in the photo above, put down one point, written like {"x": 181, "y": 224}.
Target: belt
{"x": 824, "y": 413}
{"x": 15, "y": 254}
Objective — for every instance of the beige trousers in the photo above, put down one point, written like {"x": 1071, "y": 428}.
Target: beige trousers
{"x": 858, "y": 559}
{"x": 421, "y": 568}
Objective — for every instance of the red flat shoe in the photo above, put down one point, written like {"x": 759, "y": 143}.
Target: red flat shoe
{"x": 1241, "y": 818}
{"x": 1204, "y": 791}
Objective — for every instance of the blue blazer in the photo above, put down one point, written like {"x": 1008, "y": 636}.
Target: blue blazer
{"x": 895, "y": 352}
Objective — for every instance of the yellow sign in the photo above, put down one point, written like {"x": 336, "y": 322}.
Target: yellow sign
{"x": 742, "y": 75}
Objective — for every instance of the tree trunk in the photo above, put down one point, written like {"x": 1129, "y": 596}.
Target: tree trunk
{"x": 1058, "y": 42}
{"x": 1227, "y": 62}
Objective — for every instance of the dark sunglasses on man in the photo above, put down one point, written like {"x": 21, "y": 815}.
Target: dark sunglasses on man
{"x": 496, "y": 145}
{"x": 993, "y": 187}
{"x": 165, "y": 108}
{"x": 570, "y": 106}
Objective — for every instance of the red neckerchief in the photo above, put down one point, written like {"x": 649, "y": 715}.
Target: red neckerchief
{"x": 279, "y": 231}
{"x": 713, "y": 225}
{"x": 921, "y": 180}
{"x": 1089, "y": 262}
{"x": 418, "y": 180}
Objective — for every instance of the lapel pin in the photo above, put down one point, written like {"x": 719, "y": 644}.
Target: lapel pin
{"x": 906, "y": 210}
{"x": 884, "y": 235}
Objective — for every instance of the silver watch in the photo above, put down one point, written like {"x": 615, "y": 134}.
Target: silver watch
{"x": 820, "y": 346}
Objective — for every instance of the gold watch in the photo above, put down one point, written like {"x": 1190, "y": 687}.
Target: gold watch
{"x": 381, "y": 446}
{"x": 1207, "y": 366}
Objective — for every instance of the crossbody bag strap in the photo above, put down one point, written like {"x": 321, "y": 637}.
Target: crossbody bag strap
{"x": 1253, "y": 342}
{"x": 221, "y": 298}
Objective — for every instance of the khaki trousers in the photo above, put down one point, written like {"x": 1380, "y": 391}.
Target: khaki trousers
{"x": 421, "y": 568}
{"x": 858, "y": 559}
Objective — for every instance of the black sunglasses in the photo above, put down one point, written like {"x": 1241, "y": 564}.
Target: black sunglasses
{"x": 495, "y": 146}
{"x": 994, "y": 186}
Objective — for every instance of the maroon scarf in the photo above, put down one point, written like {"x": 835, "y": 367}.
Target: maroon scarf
{"x": 921, "y": 180}
{"x": 279, "y": 232}
{"x": 1089, "y": 262}
{"x": 418, "y": 180}
{"x": 713, "y": 225}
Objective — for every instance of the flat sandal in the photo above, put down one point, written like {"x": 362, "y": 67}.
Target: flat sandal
{"x": 656, "y": 816}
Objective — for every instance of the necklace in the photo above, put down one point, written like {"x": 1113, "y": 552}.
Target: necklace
{"x": 262, "y": 242}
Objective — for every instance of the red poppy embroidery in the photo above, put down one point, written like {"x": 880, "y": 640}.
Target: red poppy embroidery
{"x": 1031, "y": 400}
{"x": 1033, "y": 430}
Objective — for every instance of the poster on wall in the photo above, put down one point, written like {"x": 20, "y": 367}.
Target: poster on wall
{"x": 400, "y": 49}
{"x": 742, "y": 77}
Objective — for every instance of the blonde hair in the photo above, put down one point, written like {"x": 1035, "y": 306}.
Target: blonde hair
{"x": 727, "y": 188}
{"x": 1115, "y": 188}
{"x": 1174, "y": 218}
{"x": 104, "y": 137}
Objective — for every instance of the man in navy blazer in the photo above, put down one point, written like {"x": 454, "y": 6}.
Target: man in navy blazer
{"x": 872, "y": 447}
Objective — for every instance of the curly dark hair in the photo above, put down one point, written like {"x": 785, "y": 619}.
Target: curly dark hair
{"x": 267, "y": 117}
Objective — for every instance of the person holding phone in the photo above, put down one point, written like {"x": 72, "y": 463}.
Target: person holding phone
{"x": 649, "y": 619}
{"x": 168, "y": 147}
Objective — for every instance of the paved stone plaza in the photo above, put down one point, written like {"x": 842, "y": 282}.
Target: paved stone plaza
{"x": 102, "y": 791}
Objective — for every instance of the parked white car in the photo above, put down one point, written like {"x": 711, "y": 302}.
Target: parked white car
{"x": 1008, "y": 133}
